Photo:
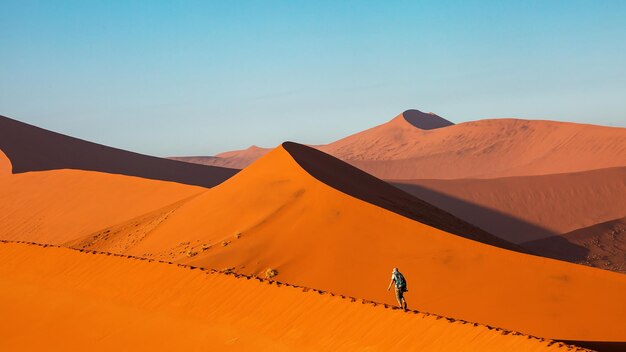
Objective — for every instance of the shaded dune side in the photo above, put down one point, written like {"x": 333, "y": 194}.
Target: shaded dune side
{"x": 525, "y": 208}
{"x": 601, "y": 245}
{"x": 361, "y": 185}
{"x": 61, "y": 299}
{"x": 425, "y": 121}
{"x": 32, "y": 148}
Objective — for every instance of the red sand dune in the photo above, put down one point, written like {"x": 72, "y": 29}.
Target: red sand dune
{"x": 277, "y": 214}
{"x": 601, "y": 245}
{"x": 61, "y": 205}
{"x": 31, "y": 148}
{"x": 526, "y": 208}
{"x": 61, "y": 299}
{"x": 416, "y": 145}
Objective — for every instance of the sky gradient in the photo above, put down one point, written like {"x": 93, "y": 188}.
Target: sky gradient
{"x": 197, "y": 78}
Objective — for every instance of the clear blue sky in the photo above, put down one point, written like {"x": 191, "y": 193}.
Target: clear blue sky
{"x": 197, "y": 78}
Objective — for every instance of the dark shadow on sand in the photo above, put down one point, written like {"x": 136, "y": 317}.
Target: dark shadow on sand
{"x": 359, "y": 184}
{"x": 31, "y": 148}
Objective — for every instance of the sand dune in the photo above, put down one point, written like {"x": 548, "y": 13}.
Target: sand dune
{"x": 526, "y": 208}
{"x": 236, "y": 159}
{"x": 416, "y": 145}
{"x": 282, "y": 213}
{"x": 62, "y": 205}
{"x": 482, "y": 149}
{"x": 60, "y": 299}
{"x": 5, "y": 164}
{"x": 601, "y": 245}
{"x": 31, "y": 148}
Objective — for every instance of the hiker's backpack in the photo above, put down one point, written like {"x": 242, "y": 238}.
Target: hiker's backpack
{"x": 399, "y": 279}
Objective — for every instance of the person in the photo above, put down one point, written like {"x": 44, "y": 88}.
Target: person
{"x": 397, "y": 279}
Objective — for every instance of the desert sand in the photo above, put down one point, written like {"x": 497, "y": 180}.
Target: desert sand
{"x": 61, "y": 205}
{"x": 32, "y": 148}
{"x": 284, "y": 213}
{"x": 417, "y": 145}
{"x": 58, "y": 299}
{"x": 527, "y": 208}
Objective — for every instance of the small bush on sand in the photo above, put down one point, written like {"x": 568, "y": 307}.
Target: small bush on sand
{"x": 270, "y": 273}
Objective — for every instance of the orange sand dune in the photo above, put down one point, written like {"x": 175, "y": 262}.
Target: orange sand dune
{"x": 526, "y": 208}
{"x": 57, "y": 299}
{"x": 5, "y": 164}
{"x": 416, "y": 145}
{"x": 278, "y": 214}
{"x": 600, "y": 245}
{"x": 61, "y": 205}
{"x": 31, "y": 148}
{"x": 237, "y": 159}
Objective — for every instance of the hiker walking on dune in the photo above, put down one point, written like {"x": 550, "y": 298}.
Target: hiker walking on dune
{"x": 397, "y": 279}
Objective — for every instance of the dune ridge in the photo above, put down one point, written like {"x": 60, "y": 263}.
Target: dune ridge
{"x": 489, "y": 148}
{"x": 133, "y": 298}
{"x": 281, "y": 217}
{"x": 31, "y": 148}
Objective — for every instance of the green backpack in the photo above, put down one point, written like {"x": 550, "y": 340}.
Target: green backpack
{"x": 399, "y": 279}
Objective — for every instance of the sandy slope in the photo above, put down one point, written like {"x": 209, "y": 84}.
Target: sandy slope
{"x": 274, "y": 214}
{"x": 5, "y": 164}
{"x": 61, "y": 205}
{"x": 601, "y": 245}
{"x": 526, "y": 208}
{"x": 61, "y": 299}
{"x": 416, "y": 145}
{"x": 31, "y": 148}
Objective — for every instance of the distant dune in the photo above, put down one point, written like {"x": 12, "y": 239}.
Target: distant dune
{"x": 417, "y": 145}
{"x": 601, "y": 245}
{"x": 57, "y": 299}
{"x": 31, "y": 148}
{"x": 314, "y": 229}
{"x": 526, "y": 208}
{"x": 61, "y": 205}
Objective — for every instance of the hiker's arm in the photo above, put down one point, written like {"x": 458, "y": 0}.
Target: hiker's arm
{"x": 389, "y": 287}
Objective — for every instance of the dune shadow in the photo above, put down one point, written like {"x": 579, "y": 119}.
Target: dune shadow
{"x": 30, "y": 148}
{"x": 558, "y": 247}
{"x": 493, "y": 221}
{"x": 600, "y": 346}
{"x": 425, "y": 121}
{"x": 361, "y": 185}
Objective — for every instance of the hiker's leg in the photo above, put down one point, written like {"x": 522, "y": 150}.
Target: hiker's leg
{"x": 399, "y": 297}
{"x": 404, "y": 303}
